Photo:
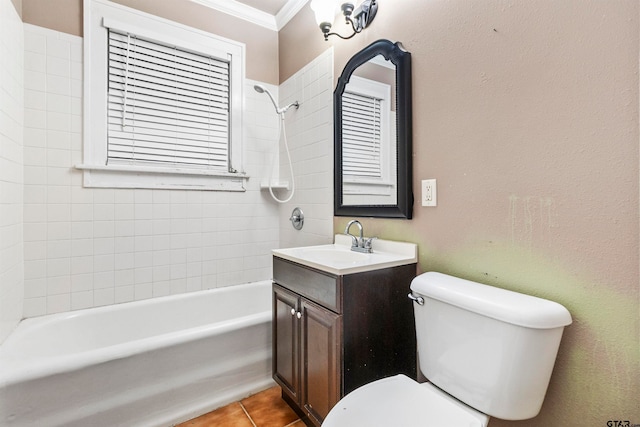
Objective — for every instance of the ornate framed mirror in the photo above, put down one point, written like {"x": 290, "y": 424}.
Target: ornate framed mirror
{"x": 373, "y": 134}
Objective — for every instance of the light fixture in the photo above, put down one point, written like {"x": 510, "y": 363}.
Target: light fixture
{"x": 360, "y": 18}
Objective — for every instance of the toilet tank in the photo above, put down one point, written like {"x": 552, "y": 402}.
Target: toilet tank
{"x": 491, "y": 348}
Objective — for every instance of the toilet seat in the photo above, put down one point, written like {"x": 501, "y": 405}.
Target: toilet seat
{"x": 401, "y": 401}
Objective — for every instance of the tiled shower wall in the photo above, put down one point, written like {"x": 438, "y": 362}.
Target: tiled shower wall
{"x": 91, "y": 247}
{"x": 11, "y": 164}
{"x": 310, "y": 137}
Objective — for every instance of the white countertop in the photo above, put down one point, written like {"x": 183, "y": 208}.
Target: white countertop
{"x": 339, "y": 259}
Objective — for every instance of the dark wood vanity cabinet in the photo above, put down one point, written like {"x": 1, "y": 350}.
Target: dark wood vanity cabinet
{"x": 332, "y": 334}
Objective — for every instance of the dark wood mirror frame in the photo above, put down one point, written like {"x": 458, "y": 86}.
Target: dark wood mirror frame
{"x": 402, "y": 60}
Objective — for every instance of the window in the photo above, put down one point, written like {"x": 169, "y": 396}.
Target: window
{"x": 163, "y": 103}
{"x": 368, "y": 146}
{"x": 361, "y": 136}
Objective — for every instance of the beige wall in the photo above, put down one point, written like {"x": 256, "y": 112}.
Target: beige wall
{"x": 59, "y": 15}
{"x": 261, "y": 43}
{"x": 526, "y": 112}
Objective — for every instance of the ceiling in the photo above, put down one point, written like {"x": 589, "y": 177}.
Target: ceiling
{"x": 271, "y": 14}
{"x": 272, "y": 7}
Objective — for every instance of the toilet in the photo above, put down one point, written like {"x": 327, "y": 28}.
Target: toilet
{"x": 485, "y": 351}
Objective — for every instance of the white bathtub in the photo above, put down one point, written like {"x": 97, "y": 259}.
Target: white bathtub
{"x": 146, "y": 363}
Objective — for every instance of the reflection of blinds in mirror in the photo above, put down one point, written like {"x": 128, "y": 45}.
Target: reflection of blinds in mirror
{"x": 361, "y": 135}
{"x": 166, "y": 105}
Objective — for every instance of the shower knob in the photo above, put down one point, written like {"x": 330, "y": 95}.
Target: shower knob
{"x": 297, "y": 219}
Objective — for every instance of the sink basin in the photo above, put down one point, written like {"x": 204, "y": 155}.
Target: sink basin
{"x": 332, "y": 254}
{"x": 339, "y": 259}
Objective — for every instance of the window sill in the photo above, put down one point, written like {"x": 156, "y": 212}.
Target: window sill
{"x": 361, "y": 188}
{"x": 124, "y": 176}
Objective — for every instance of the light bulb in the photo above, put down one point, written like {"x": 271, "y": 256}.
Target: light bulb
{"x": 325, "y": 11}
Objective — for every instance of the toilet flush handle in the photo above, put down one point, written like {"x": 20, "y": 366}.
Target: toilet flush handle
{"x": 419, "y": 300}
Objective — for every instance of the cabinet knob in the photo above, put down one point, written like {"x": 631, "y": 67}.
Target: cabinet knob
{"x": 293, "y": 311}
{"x": 298, "y": 315}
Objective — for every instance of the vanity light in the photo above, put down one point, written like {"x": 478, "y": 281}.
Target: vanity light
{"x": 360, "y": 18}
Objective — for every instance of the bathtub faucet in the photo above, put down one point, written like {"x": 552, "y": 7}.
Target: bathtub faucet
{"x": 359, "y": 244}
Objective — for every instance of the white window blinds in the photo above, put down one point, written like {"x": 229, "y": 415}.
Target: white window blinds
{"x": 166, "y": 106}
{"x": 361, "y": 135}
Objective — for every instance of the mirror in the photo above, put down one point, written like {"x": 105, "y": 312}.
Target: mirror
{"x": 373, "y": 134}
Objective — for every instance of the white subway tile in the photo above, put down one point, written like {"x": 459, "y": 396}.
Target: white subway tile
{"x": 103, "y": 297}
{"x": 58, "y": 230}
{"x": 59, "y": 175}
{"x": 57, "y": 84}
{"x": 143, "y": 259}
{"x": 58, "y": 267}
{"x": 81, "y": 282}
{"x": 124, "y": 277}
{"x": 35, "y": 137}
{"x": 103, "y": 263}
{"x": 81, "y": 229}
{"x": 35, "y": 42}
{"x": 59, "y": 249}
{"x": 161, "y": 273}
{"x": 35, "y": 99}
{"x": 58, "y": 48}
{"x": 35, "y": 119}
{"x": 102, "y": 280}
{"x": 58, "y": 121}
{"x": 35, "y": 80}
{"x": 161, "y": 289}
{"x": 81, "y": 247}
{"x": 81, "y": 300}
{"x": 34, "y": 288}
{"x": 35, "y": 307}
{"x": 143, "y": 227}
{"x": 81, "y": 212}
{"x": 103, "y": 212}
{"x": 124, "y": 294}
{"x": 81, "y": 265}
{"x": 124, "y": 228}
{"x": 57, "y": 158}
{"x": 103, "y": 245}
{"x": 123, "y": 261}
{"x": 58, "y": 303}
{"x": 35, "y": 250}
{"x": 58, "y": 285}
{"x": 143, "y": 291}
{"x": 58, "y": 66}
{"x": 57, "y": 212}
{"x": 58, "y": 104}
{"x": 36, "y": 231}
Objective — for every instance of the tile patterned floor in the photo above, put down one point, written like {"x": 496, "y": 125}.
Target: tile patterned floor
{"x": 264, "y": 409}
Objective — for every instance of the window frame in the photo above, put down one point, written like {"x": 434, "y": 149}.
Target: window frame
{"x": 360, "y": 185}
{"x": 100, "y": 14}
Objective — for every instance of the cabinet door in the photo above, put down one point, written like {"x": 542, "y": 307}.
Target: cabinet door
{"x": 321, "y": 355}
{"x": 286, "y": 341}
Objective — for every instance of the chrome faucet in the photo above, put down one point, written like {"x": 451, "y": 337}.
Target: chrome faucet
{"x": 359, "y": 244}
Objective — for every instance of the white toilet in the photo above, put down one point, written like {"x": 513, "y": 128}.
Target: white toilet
{"x": 486, "y": 352}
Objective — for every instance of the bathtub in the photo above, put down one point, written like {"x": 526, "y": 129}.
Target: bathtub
{"x": 146, "y": 363}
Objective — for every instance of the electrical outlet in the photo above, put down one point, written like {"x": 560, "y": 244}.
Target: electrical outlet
{"x": 429, "y": 192}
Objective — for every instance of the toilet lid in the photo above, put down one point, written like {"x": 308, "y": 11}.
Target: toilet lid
{"x": 401, "y": 401}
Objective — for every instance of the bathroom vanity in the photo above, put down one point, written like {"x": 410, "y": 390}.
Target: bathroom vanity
{"x": 340, "y": 320}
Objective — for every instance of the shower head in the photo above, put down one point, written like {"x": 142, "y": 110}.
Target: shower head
{"x": 262, "y": 89}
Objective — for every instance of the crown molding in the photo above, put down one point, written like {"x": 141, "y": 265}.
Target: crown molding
{"x": 255, "y": 16}
{"x": 242, "y": 11}
{"x": 288, "y": 11}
